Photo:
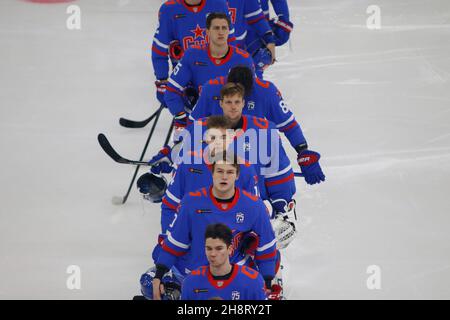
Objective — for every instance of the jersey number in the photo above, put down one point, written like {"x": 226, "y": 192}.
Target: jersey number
{"x": 284, "y": 106}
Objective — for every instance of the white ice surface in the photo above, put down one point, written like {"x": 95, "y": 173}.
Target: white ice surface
{"x": 375, "y": 104}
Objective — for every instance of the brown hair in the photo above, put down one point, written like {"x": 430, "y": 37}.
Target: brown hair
{"x": 227, "y": 157}
{"x": 231, "y": 89}
{"x": 218, "y": 121}
{"x": 217, "y": 15}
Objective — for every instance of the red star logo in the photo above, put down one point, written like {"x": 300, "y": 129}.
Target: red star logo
{"x": 198, "y": 32}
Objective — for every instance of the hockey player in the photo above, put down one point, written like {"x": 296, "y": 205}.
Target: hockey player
{"x": 181, "y": 24}
{"x": 221, "y": 279}
{"x": 281, "y": 26}
{"x": 263, "y": 100}
{"x": 223, "y": 202}
{"x": 248, "y": 17}
{"x": 201, "y": 63}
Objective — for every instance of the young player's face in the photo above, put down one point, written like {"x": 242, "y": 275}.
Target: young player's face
{"x": 232, "y": 107}
{"x": 217, "y": 252}
{"x": 218, "y": 32}
{"x": 218, "y": 139}
{"x": 224, "y": 177}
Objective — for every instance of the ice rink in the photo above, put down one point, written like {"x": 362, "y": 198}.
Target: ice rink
{"x": 374, "y": 103}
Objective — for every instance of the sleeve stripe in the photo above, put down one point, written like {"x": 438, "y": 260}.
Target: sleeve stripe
{"x": 174, "y": 90}
{"x": 159, "y": 43}
{"x": 267, "y": 12}
{"x": 266, "y": 256}
{"x": 292, "y": 125}
{"x": 156, "y": 50}
{"x": 175, "y": 84}
{"x": 243, "y": 261}
{"x": 267, "y": 246}
{"x": 167, "y": 203}
{"x": 254, "y": 13}
{"x": 172, "y": 197}
{"x": 242, "y": 36}
{"x": 279, "y": 173}
{"x": 285, "y": 123}
{"x": 171, "y": 251}
{"x": 175, "y": 242}
{"x": 256, "y": 20}
{"x": 277, "y": 182}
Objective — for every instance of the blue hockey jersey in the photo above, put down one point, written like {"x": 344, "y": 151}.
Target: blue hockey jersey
{"x": 246, "y": 213}
{"x": 187, "y": 24}
{"x": 247, "y": 15}
{"x": 198, "y": 66}
{"x": 191, "y": 177}
{"x": 258, "y": 143}
{"x": 264, "y": 101}
{"x": 243, "y": 284}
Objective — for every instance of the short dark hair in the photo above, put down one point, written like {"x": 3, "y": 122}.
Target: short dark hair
{"x": 227, "y": 157}
{"x": 217, "y": 15}
{"x": 231, "y": 89}
{"x": 243, "y": 75}
{"x": 218, "y": 121}
{"x": 219, "y": 231}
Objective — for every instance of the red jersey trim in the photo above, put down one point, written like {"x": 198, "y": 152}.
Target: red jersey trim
{"x": 229, "y": 205}
{"x": 167, "y": 203}
{"x": 172, "y": 251}
{"x": 194, "y": 9}
{"x": 225, "y": 282}
{"x": 224, "y": 59}
{"x": 292, "y": 125}
{"x": 256, "y": 20}
{"x": 277, "y": 182}
{"x": 157, "y": 51}
{"x": 267, "y": 255}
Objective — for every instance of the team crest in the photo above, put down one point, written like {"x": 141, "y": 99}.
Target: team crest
{"x": 251, "y": 105}
{"x": 235, "y": 295}
{"x": 219, "y": 283}
{"x": 239, "y": 217}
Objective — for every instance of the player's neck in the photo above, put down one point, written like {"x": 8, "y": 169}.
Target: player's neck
{"x": 218, "y": 51}
{"x": 223, "y": 195}
{"x": 221, "y": 270}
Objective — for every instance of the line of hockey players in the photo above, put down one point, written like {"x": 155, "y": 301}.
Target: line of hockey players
{"x": 218, "y": 239}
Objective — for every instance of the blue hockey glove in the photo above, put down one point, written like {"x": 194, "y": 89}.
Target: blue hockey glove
{"x": 160, "y": 90}
{"x": 162, "y": 161}
{"x": 309, "y": 163}
{"x": 282, "y": 30}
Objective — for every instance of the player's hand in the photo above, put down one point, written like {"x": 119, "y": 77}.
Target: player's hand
{"x": 309, "y": 163}
{"x": 158, "y": 289}
{"x": 271, "y": 47}
{"x": 180, "y": 120}
{"x": 275, "y": 292}
{"x": 162, "y": 161}
{"x": 161, "y": 86}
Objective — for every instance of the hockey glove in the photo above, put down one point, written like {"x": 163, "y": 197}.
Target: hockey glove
{"x": 275, "y": 292}
{"x": 282, "y": 30}
{"x": 309, "y": 163}
{"x": 162, "y": 162}
{"x": 160, "y": 90}
{"x": 284, "y": 225}
{"x": 180, "y": 121}
{"x": 249, "y": 243}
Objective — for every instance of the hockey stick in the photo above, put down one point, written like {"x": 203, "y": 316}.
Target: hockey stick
{"x": 136, "y": 124}
{"x": 122, "y": 200}
{"x": 106, "y": 146}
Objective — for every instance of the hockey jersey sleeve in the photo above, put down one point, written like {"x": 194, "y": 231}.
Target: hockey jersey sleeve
{"x": 160, "y": 46}
{"x": 278, "y": 174}
{"x": 178, "y": 240}
{"x": 281, "y": 9}
{"x": 201, "y": 109}
{"x": 266, "y": 252}
{"x": 178, "y": 80}
{"x": 172, "y": 198}
{"x": 282, "y": 116}
{"x": 257, "y": 290}
{"x": 256, "y": 19}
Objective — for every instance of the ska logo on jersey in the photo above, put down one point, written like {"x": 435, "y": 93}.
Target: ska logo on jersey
{"x": 198, "y": 39}
{"x": 239, "y": 217}
{"x": 251, "y": 105}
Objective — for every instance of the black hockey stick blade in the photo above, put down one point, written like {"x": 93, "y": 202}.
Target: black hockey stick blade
{"x": 106, "y": 146}
{"x": 138, "y": 124}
